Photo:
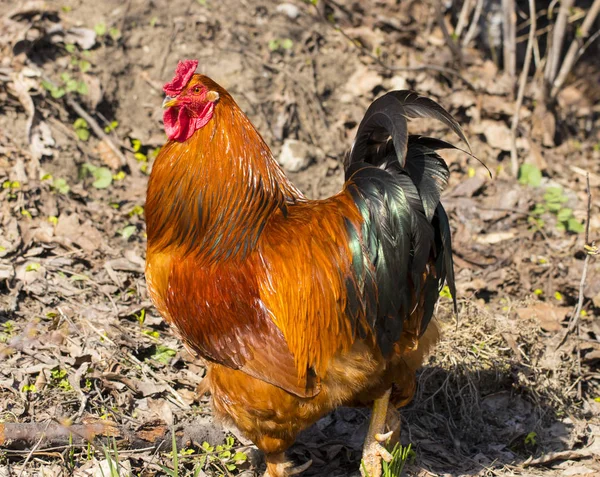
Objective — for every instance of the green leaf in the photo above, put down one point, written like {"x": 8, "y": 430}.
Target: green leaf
{"x": 530, "y": 175}
{"x": 564, "y": 215}
{"x": 103, "y": 176}
{"x": 83, "y": 134}
{"x": 128, "y": 231}
{"x": 163, "y": 354}
{"x": 65, "y": 76}
{"x": 82, "y": 88}
{"x": 32, "y": 267}
{"x": 554, "y": 206}
{"x": 240, "y": 457}
{"x": 114, "y": 33}
{"x": 574, "y": 226}
{"x": 136, "y": 144}
{"x": 60, "y": 185}
{"x": 58, "y": 93}
{"x": 84, "y": 66}
{"x": 71, "y": 85}
{"x": 111, "y": 127}
{"x": 539, "y": 209}
{"x": 273, "y": 44}
{"x": 287, "y": 44}
{"x": 80, "y": 123}
{"x": 100, "y": 29}
{"x": 70, "y": 47}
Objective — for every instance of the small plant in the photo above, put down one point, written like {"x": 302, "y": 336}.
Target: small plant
{"x": 445, "y": 292}
{"x": 128, "y": 231}
{"x": 138, "y": 153}
{"x": 223, "y": 455}
{"x": 163, "y": 354}
{"x": 102, "y": 175}
{"x": 8, "y": 330}
{"x": 554, "y": 200}
{"x": 137, "y": 210}
{"x": 29, "y": 388}
{"x": 278, "y": 44}
{"x": 112, "y": 458}
{"x": 531, "y": 439}
{"x": 394, "y": 468}
{"x": 111, "y": 127}
{"x": 12, "y": 187}
{"x": 400, "y": 455}
{"x": 60, "y": 185}
{"x": 530, "y": 175}
{"x": 32, "y": 267}
{"x": 174, "y": 472}
{"x": 60, "y": 379}
{"x": 81, "y": 129}
{"x": 141, "y": 317}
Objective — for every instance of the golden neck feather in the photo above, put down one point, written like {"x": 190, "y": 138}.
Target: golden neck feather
{"x": 212, "y": 194}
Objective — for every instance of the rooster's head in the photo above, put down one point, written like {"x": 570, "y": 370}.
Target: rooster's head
{"x": 190, "y": 101}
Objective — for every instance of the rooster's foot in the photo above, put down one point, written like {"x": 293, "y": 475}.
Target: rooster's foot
{"x": 373, "y": 451}
{"x": 277, "y": 466}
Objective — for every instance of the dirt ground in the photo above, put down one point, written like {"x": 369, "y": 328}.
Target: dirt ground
{"x": 81, "y": 344}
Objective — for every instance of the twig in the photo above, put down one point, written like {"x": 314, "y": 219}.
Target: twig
{"x": 449, "y": 41}
{"x": 560, "y": 27}
{"x": 522, "y": 83}
{"x": 33, "y": 449}
{"x": 509, "y": 27}
{"x": 473, "y": 26}
{"x": 585, "y": 46}
{"x": 463, "y": 17}
{"x": 30, "y": 435}
{"x": 98, "y": 131}
{"x": 571, "y": 55}
{"x": 590, "y": 250}
{"x": 563, "y": 455}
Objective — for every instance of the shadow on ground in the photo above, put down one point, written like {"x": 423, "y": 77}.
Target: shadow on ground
{"x": 487, "y": 424}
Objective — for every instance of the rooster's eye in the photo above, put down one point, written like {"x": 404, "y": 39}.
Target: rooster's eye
{"x": 196, "y": 89}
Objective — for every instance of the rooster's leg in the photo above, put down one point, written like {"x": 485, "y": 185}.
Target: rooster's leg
{"x": 278, "y": 466}
{"x": 373, "y": 451}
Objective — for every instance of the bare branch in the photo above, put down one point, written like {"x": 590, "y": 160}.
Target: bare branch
{"x": 555, "y": 49}
{"x": 522, "y": 83}
{"x": 449, "y": 40}
{"x": 571, "y": 55}
{"x": 35, "y": 436}
{"x": 590, "y": 249}
{"x": 509, "y": 32}
{"x": 463, "y": 17}
{"x": 473, "y": 26}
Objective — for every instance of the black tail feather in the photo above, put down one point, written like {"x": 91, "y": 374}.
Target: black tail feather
{"x": 396, "y": 181}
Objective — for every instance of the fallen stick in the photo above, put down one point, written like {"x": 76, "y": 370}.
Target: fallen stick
{"x": 37, "y": 437}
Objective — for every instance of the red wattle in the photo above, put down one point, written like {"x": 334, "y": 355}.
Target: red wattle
{"x": 179, "y": 126}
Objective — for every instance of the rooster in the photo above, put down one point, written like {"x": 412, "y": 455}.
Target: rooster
{"x": 298, "y": 306}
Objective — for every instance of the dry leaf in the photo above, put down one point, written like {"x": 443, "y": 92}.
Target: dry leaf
{"x": 108, "y": 156}
{"x": 548, "y": 316}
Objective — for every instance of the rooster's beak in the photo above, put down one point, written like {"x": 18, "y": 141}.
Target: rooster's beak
{"x": 169, "y": 102}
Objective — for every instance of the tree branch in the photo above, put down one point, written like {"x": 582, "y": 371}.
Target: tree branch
{"x": 522, "y": 83}
{"x": 571, "y": 55}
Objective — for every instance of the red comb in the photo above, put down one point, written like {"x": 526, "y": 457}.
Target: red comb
{"x": 183, "y": 73}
